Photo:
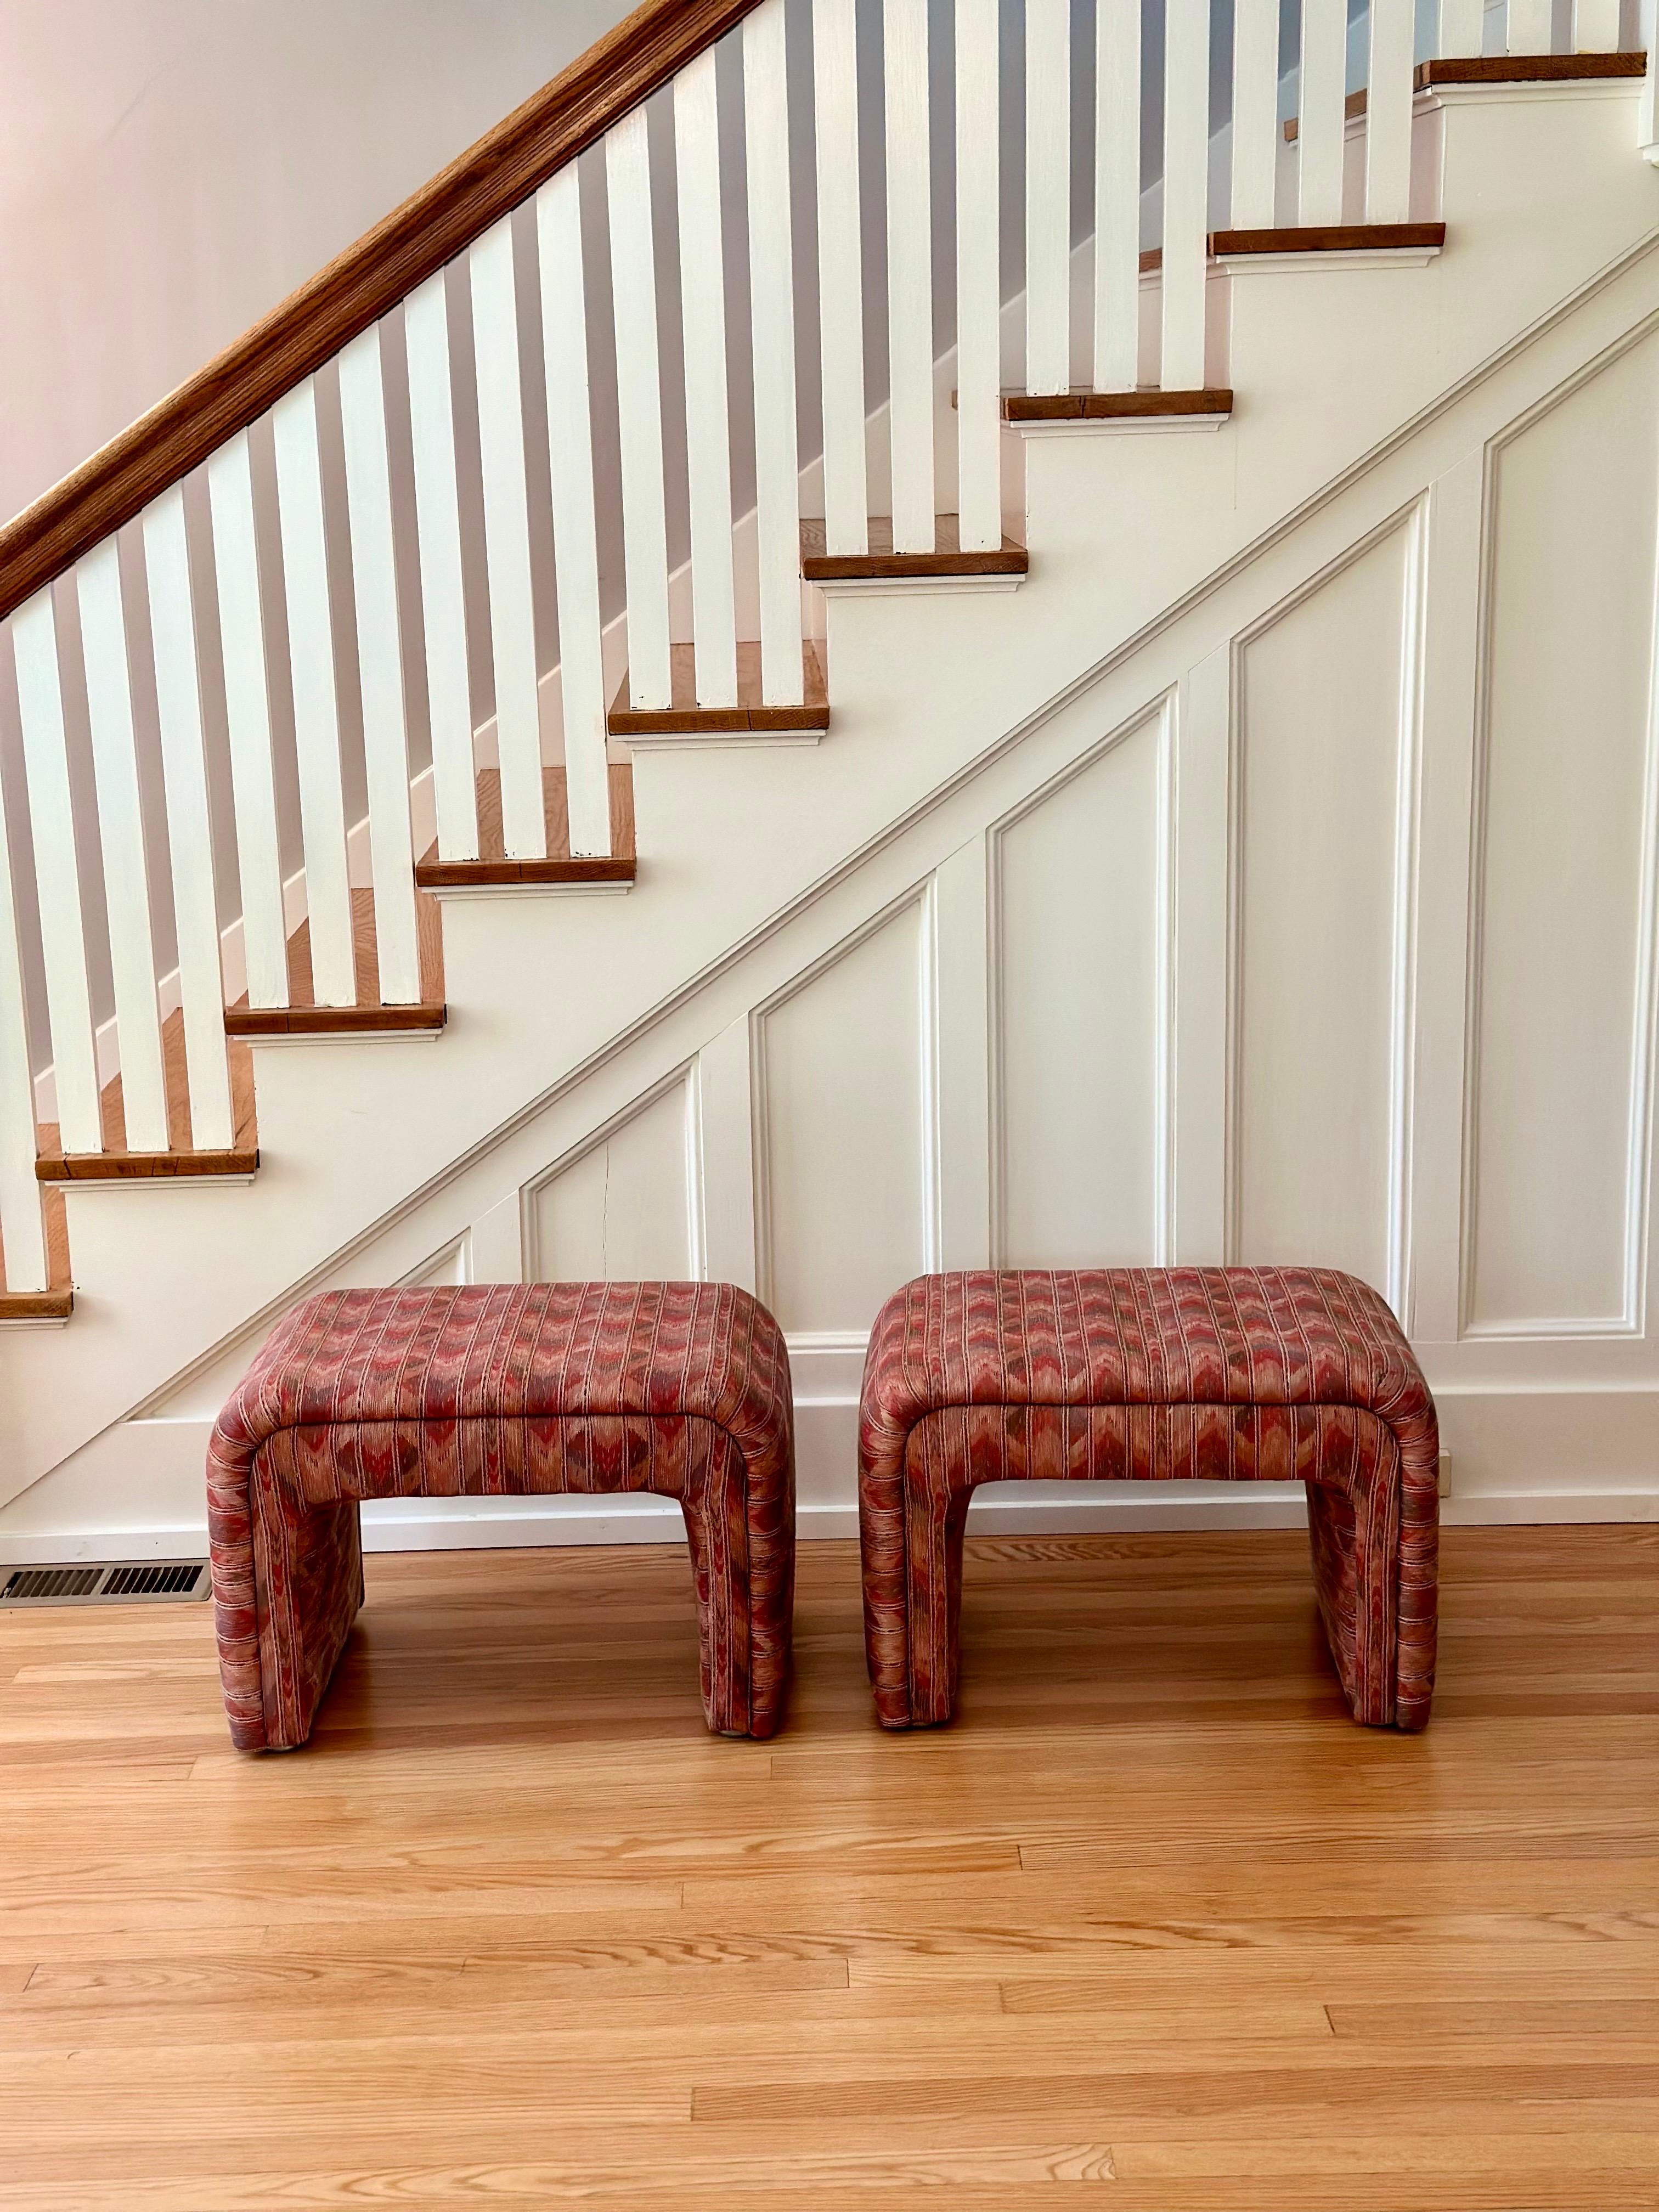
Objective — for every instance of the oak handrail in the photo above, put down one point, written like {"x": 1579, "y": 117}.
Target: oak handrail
{"x": 357, "y": 288}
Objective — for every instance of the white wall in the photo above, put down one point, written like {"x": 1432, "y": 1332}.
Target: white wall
{"x": 171, "y": 169}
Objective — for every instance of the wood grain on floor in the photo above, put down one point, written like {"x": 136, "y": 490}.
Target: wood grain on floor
{"x": 1153, "y": 1925}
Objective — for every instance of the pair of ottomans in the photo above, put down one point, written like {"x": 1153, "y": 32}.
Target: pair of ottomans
{"x": 683, "y": 1388}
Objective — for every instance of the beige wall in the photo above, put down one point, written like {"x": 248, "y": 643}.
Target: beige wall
{"x": 170, "y": 169}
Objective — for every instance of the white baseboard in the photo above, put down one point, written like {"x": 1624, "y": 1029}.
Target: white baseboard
{"x": 516, "y": 1523}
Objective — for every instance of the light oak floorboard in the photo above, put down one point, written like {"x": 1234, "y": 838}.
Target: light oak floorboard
{"x": 1153, "y": 1925}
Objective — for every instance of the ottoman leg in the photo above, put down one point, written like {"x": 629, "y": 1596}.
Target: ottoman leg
{"x": 739, "y": 1528}
{"x": 1355, "y": 1541}
{"x": 911, "y": 1520}
{"x": 288, "y": 1582}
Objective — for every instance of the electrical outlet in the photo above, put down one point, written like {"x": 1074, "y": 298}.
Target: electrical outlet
{"x": 1445, "y": 1474}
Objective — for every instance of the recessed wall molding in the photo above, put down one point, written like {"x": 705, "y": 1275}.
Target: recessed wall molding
{"x": 1322, "y": 931}
{"x": 845, "y": 1121}
{"x": 633, "y": 1215}
{"x": 1564, "y": 909}
{"x": 1080, "y": 1023}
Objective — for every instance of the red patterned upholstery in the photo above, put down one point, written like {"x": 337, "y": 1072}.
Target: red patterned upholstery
{"x": 1231, "y": 1374}
{"x": 681, "y": 1388}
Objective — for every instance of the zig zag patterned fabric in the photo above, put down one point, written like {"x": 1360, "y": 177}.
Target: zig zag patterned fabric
{"x": 680, "y": 1389}
{"x": 1182, "y": 1374}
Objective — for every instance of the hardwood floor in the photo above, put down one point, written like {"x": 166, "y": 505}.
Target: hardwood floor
{"x": 1153, "y": 1925}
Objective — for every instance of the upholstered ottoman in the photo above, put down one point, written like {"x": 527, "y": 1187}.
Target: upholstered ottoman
{"x": 1230, "y": 1374}
{"x": 681, "y": 1388}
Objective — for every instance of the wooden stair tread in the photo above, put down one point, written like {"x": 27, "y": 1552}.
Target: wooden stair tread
{"x": 947, "y": 558}
{"x": 493, "y": 868}
{"x": 1112, "y": 406}
{"x": 1526, "y": 69}
{"x": 1331, "y": 237}
{"x": 369, "y": 1016}
{"x": 117, "y": 1163}
{"x": 56, "y": 1167}
{"x": 420, "y": 1018}
{"x": 36, "y": 1305}
{"x": 751, "y": 713}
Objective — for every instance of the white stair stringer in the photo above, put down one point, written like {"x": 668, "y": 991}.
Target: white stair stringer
{"x": 1355, "y": 390}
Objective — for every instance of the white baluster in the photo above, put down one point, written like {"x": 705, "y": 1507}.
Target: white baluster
{"x": 708, "y": 409}
{"x": 841, "y": 275}
{"x": 1117, "y": 195}
{"x": 22, "y": 1227}
{"x": 772, "y": 317}
{"x": 576, "y": 540}
{"x": 638, "y": 410}
{"x": 380, "y": 663}
{"x": 1320, "y": 120}
{"x": 316, "y": 710}
{"x": 979, "y": 291}
{"x": 909, "y": 276}
{"x": 1186, "y": 191}
{"x": 443, "y": 602}
{"x": 56, "y": 874}
{"x": 1255, "y": 112}
{"x": 1463, "y": 24}
{"x": 507, "y": 544}
{"x": 189, "y": 831}
{"x": 1388, "y": 113}
{"x": 1595, "y": 27}
{"x": 248, "y": 712}
{"x": 121, "y": 832}
{"x": 1528, "y": 28}
{"x": 1048, "y": 195}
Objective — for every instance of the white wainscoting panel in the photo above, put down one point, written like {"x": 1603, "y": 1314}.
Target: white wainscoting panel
{"x": 627, "y": 1206}
{"x": 1324, "y": 764}
{"x": 844, "y": 1097}
{"x": 1560, "y": 1038}
{"x": 1082, "y": 1028}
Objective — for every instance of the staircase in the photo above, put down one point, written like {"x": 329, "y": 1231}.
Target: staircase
{"x": 877, "y": 741}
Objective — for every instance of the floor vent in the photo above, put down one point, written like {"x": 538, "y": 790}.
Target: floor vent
{"x": 119, "y": 1583}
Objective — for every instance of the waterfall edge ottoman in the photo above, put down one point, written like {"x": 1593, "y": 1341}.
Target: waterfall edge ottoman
{"x": 1229, "y": 1374}
{"x": 680, "y": 1389}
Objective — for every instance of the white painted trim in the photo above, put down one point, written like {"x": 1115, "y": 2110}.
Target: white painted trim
{"x": 526, "y": 890}
{"x": 1411, "y": 519}
{"x": 772, "y": 344}
{"x": 910, "y": 341}
{"x": 1119, "y": 425}
{"x": 719, "y": 741}
{"x": 900, "y": 587}
{"x": 314, "y": 673}
{"x": 916, "y": 896}
{"x": 390, "y": 1525}
{"x": 1631, "y": 1321}
{"x": 496, "y": 339}
{"x": 1362, "y": 256}
{"x": 1048, "y": 194}
{"x": 1161, "y": 712}
{"x": 840, "y": 274}
{"x": 639, "y": 408}
{"x": 682, "y": 1077}
{"x": 725, "y": 1164}
{"x": 1580, "y": 88}
{"x": 707, "y": 398}
{"x": 290, "y": 1041}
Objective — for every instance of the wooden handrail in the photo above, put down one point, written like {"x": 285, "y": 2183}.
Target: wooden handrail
{"x": 357, "y": 289}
